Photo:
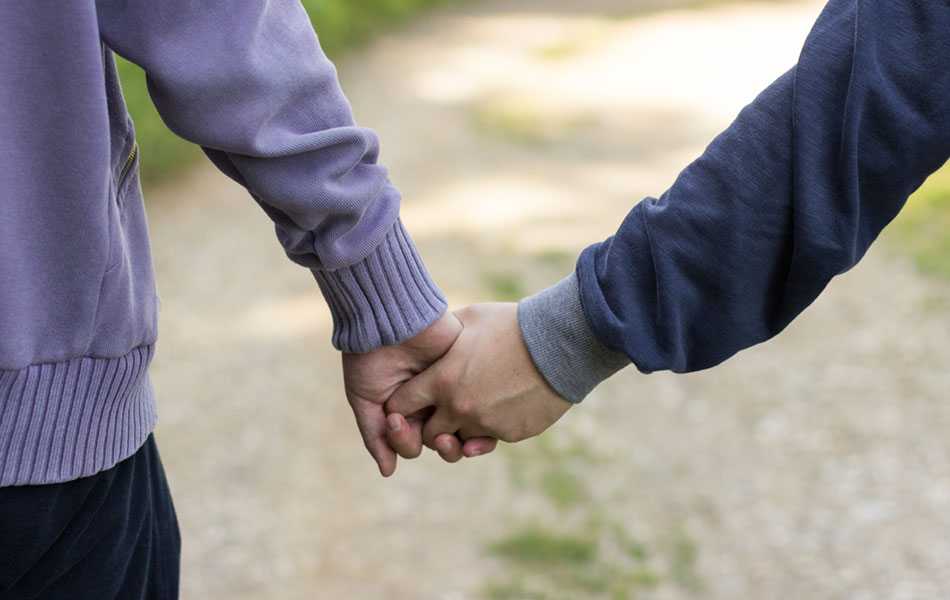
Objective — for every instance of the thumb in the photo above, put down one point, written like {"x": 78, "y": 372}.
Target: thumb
{"x": 416, "y": 394}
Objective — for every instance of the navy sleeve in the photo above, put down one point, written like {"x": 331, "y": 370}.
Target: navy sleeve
{"x": 790, "y": 195}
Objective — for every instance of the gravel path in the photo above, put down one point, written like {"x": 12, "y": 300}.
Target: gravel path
{"x": 815, "y": 466}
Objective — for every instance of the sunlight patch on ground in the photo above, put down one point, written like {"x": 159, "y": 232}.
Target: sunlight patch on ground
{"x": 553, "y": 110}
{"x": 285, "y": 318}
{"x": 604, "y": 63}
{"x": 496, "y": 203}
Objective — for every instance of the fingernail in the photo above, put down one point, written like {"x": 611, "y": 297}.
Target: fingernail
{"x": 474, "y": 453}
{"x": 394, "y": 422}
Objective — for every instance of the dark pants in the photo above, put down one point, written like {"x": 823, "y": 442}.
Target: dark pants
{"x": 110, "y": 536}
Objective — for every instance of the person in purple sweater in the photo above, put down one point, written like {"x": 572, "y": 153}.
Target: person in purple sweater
{"x": 790, "y": 195}
{"x": 85, "y": 511}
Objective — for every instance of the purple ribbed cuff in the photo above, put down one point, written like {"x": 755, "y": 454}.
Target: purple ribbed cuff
{"x": 385, "y": 299}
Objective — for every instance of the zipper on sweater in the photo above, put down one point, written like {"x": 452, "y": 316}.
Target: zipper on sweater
{"x": 129, "y": 161}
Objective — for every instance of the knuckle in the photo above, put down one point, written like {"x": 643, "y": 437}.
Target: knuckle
{"x": 428, "y": 440}
{"x": 396, "y": 404}
{"x": 466, "y": 407}
{"x": 447, "y": 378}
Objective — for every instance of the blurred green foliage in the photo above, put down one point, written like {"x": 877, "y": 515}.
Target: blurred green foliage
{"x": 923, "y": 228}
{"x": 341, "y": 24}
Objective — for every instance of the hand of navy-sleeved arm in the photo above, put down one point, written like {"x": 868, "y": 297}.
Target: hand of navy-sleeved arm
{"x": 249, "y": 82}
{"x": 790, "y": 195}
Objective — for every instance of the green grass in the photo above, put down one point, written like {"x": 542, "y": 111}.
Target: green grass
{"x": 554, "y": 258}
{"x": 562, "y": 487}
{"x": 511, "y": 121}
{"x": 523, "y": 122}
{"x": 535, "y": 544}
{"x": 562, "y": 49}
{"x": 512, "y": 590}
{"x": 923, "y": 227}
{"x": 547, "y": 563}
{"x": 682, "y": 557}
{"x": 340, "y": 24}
{"x": 504, "y": 286}
{"x": 582, "y": 549}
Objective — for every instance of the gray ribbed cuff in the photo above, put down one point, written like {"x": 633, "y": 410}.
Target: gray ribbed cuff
{"x": 562, "y": 344}
{"x": 385, "y": 299}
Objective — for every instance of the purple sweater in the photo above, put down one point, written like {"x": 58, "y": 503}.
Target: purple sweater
{"x": 248, "y": 82}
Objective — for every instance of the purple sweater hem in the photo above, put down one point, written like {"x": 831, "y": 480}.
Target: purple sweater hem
{"x": 74, "y": 418}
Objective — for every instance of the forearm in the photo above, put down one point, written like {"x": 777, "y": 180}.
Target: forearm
{"x": 790, "y": 195}
{"x": 249, "y": 82}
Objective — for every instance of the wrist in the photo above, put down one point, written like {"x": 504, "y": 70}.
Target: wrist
{"x": 385, "y": 299}
{"x": 436, "y": 339}
{"x": 562, "y": 344}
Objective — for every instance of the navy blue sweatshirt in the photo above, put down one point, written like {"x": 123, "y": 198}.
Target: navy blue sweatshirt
{"x": 789, "y": 196}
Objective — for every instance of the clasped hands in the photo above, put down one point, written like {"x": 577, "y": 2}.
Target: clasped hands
{"x": 458, "y": 387}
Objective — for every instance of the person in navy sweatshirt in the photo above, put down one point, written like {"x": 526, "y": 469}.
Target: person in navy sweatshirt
{"x": 789, "y": 196}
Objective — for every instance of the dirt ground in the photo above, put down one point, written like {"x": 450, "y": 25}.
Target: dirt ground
{"x": 815, "y": 466}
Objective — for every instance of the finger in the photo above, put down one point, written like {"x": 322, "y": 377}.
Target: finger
{"x": 440, "y": 422}
{"x": 478, "y": 446}
{"x": 470, "y": 432}
{"x": 476, "y": 441}
{"x": 383, "y": 454}
{"x": 371, "y": 421}
{"x": 416, "y": 423}
{"x": 449, "y": 447}
{"x": 404, "y": 438}
{"x": 416, "y": 394}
